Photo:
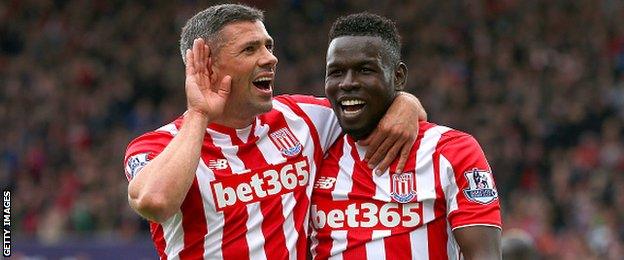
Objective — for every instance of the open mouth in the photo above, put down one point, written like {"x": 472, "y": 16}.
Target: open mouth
{"x": 352, "y": 106}
{"x": 263, "y": 83}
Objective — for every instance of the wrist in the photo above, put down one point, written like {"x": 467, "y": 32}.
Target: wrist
{"x": 194, "y": 115}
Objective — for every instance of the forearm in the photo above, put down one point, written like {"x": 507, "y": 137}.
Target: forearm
{"x": 411, "y": 101}
{"x": 157, "y": 192}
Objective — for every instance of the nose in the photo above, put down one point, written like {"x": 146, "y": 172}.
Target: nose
{"x": 268, "y": 59}
{"x": 349, "y": 82}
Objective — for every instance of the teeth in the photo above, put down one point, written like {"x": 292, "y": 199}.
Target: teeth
{"x": 352, "y": 102}
{"x": 263, "y": 79}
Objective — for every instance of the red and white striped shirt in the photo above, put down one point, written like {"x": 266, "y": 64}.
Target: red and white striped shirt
{"x": 250, "y": 197}
{"x": 446, "y": 184}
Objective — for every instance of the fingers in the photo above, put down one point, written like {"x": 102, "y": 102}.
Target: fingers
{"x": 372, "y": 141}
{"x": 388, "y": 159}
{"x": 198, "y": 58}
{"x": 224, "y": 87}
{"x": 405, "y": 152}
{"x": 189, "y": 62}
{"x": 381, "y": 151}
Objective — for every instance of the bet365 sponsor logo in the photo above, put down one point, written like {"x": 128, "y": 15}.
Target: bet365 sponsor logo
{"x": 378, "y": 215}
{"x": 6, "y": 223}
{"x": 260, "y": 184}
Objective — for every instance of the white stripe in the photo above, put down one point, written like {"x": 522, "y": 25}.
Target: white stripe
{"x": 215, "y": 220}
{"x": 229, "y": 151}
{"x": 478, "y": 225}
{"x": 254, "y": 236}
{"x": 419, "y": 243}
{"x": 173, "y": 232}
{"x": 449, "y": 186}
{"x": 171, "y": 128}
{"x": 452, "y": 248}
{"x": 314, "y": 243}
{"x": 344, "y": 181}
{"x": 375, "y": 249}
{"x": 339, "y": 244}
{"x": 174, "y": 236}
{"x": 382, "y": 187}
{"x": 425, "y": 180}
{"x": 243, "y": 133}
{"x": 325, "y": 122}
{"x": 290, "y": 231}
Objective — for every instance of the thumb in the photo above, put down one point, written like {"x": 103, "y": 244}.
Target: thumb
{"x": 225, "y": 86}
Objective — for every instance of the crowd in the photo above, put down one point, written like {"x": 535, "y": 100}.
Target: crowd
{"x": 539, "y": 83}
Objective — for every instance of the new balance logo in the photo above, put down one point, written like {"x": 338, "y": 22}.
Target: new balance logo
{"x": 324, "y": 183}
{"x": 218, "y": 164}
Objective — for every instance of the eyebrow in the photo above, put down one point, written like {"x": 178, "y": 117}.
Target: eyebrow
{"x": 258, "y": 42}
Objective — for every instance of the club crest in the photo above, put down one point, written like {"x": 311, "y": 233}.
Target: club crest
{"x": 480, "y": 186}
{"x": 286, "y": 142}
{"x": 402, "y": 187}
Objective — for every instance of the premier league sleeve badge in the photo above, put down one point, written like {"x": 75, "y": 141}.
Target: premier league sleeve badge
{"x": 480, "y": 186}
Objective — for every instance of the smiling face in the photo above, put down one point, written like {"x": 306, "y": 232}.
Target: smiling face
{"x": 359, "y": 82}
{"x": 247, "y": 56}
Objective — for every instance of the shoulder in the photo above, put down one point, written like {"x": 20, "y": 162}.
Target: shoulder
{"x": 296, "y": 100}
{"x": 155, "y": 140}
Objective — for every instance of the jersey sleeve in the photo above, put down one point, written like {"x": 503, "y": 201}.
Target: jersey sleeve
{"x": 470, "y": 192}
{"x": 143, "y": 149}
{"x": 320, "y": 112}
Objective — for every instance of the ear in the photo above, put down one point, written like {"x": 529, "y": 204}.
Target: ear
{"x": 400, "y": 76}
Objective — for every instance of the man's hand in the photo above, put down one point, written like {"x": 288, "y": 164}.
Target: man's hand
{"x": 204, "y": 94}
{"x": 396, "y": 132}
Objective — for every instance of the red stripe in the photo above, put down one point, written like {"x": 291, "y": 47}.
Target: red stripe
{"x": 437, "y": 232}
{"x": 436, "y": 235}
{"x": 159, "y": 239}
{"x": 233, "y": 243}
{"x": 397, "y": 246}
{"x": 194, "y": 223}
{"x": 363, "y": 187}
{"x": 355, "y": 248}
{"x": 330, "y": 169}
{"x": 272, "y": 209}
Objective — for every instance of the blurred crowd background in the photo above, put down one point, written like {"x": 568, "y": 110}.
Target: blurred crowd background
{"x": 539, "y": 83}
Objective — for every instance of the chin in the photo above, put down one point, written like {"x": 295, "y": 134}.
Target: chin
{"x": 264, "y": 107}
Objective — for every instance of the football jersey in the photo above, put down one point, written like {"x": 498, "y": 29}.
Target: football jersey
{"x": 446, "y": 184}
{"x": 250, "y": 197}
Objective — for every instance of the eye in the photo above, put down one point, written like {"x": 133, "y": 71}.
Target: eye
{"x": 249, "y": 49}
{"x": 334, "y": 73}
{"x": 269, "y": 47}
{"x": 366, "y": 70}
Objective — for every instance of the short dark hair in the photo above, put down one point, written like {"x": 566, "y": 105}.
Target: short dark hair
{"x": 208, "y": 23}
{"x": 367, "y": 24}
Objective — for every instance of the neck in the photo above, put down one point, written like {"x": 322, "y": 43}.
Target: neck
{"x": 235, "y": 120}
